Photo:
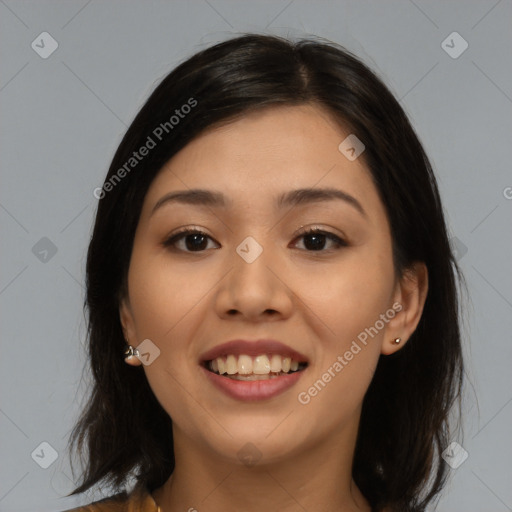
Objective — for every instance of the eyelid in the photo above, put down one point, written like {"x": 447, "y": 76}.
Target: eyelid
{"x": 186, "y": 230}
{"x": 316, "y": 228}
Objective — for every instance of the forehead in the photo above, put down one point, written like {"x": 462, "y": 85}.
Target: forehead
{"x": 255, "y": 159}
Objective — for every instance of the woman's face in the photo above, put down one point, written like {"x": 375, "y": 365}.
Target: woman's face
{"x": 332, "y": 297}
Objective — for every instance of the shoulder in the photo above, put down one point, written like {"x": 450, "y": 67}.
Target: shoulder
{"x": 138, "y": 500}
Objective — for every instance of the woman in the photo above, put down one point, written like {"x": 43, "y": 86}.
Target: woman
{"x": 271, "y": 294}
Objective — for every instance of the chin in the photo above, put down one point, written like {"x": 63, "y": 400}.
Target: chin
{"x": 257, "y": 441}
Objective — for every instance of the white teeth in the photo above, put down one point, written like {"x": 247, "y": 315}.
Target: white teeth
{"x": 275, "y": 363}
{"x": 244, "y": 365}
{"x": 231, "y": 365}
{"x": 261, "y": 365}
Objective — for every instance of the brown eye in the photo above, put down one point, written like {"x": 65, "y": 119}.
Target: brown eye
{"x": 191, "y": 240}
{"x": 315, "y": 240}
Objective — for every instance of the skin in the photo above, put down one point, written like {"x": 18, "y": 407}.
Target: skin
{"x": 315, "y": 301}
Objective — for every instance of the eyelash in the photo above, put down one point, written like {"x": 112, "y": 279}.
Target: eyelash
{"x": 339, "y": 242}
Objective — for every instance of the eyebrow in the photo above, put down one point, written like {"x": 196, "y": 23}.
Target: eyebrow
{"x": 301, "y": 196}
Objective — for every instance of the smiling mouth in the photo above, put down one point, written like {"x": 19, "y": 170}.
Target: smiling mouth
{"x": 247, "y": 368}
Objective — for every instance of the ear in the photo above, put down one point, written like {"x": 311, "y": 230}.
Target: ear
{"x": 410, "y": 293}
{"x": 128, "y": 325}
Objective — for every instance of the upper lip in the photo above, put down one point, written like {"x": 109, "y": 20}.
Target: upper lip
{"x": 253, "y": 348}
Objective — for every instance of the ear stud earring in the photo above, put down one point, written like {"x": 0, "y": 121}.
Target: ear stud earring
{"x": 397, "y": 340}
{"x": 130, "y": 353}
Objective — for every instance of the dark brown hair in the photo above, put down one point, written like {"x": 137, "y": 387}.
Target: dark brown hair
{"x": 123, "y": 431}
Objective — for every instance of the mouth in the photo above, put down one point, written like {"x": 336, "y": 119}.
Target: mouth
{"x": 250, "y": 368}
{"x": 253, "y": 370}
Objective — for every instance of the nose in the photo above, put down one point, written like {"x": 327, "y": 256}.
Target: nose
{"x": 255, "y": 291}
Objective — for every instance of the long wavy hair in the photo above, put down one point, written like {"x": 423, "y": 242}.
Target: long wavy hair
{"x": 123, "y": 432}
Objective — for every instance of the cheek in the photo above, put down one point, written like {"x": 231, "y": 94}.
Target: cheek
{"x": 351, "y": 295}
{"x": 353, "y": 305}
{"x": 164, "y": 302}
{"x": 160, "y": 295}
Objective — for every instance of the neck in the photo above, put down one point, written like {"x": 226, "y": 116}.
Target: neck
{"x": 316, "y": 478}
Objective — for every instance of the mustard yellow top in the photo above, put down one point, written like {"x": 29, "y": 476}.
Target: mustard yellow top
{"x": 138, "y": 500}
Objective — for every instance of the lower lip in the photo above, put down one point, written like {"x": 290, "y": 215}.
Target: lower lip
{"x": 252, "y": 390}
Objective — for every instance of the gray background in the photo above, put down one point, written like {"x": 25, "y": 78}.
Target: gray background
{"x": 62, "y": 118}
